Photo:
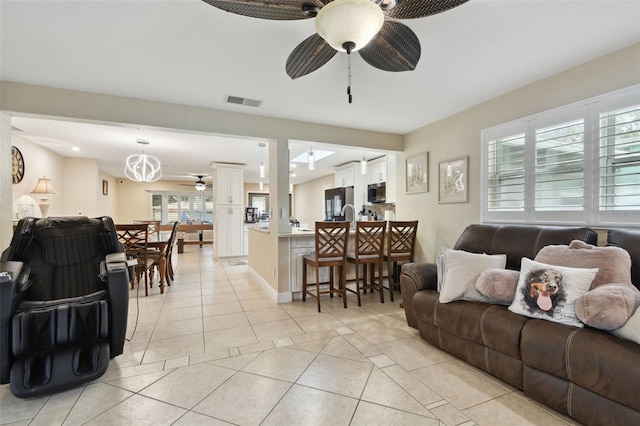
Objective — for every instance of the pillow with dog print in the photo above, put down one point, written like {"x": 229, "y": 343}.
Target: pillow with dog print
{"x": 462, "y": 270}
{"x": 549, "y": 292}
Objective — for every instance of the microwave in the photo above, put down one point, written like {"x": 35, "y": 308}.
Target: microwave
{"x": 377, "y": 192}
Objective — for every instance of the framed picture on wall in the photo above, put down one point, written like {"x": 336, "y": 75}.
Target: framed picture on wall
{"x": 453, "y": 180}
{"x": 417, "y": 173}
{"x": 105, "y": 187}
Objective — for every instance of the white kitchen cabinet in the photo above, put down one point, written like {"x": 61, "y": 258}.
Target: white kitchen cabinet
{"x": 246, "y": 240}
{"x": 299, "y": 247}
{"x": 228, "y": 225}
{"x": 229, "y": 183}
{"x": 344, "y": 176}
{"x": 377, "y": 171}
{"x": 230, "y": 230}
{"x": 383, "y": 170}
{"x": 351, "y": 175}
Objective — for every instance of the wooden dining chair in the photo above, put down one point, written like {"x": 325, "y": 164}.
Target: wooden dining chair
{"x": 170, "y": 244}
{"x": 330, "y": 251}
{"x": 162, "y": 258}
{"x": 368, "y": 252}
{"x": 154, "y": 228}
{"x": 135, "y": 237}
{"x": 401, "y": 244}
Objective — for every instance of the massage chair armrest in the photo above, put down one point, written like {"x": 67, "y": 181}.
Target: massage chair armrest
{"x": 416, "y": 277}
{"x": 117, "y": 285}
{"x": 8, "y": 288}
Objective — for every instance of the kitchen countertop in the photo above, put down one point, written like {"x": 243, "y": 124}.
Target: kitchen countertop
{"x": 304, "y": 232}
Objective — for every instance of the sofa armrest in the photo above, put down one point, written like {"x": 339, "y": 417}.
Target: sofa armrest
{"x": 416, "y": 277}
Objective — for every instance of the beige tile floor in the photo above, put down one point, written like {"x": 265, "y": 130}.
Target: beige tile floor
{"x": 215, "y": 350}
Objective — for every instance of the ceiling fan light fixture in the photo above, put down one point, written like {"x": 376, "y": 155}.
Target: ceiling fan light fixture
{"x": 200, "y": 184}
{"x": 343, "y": 21}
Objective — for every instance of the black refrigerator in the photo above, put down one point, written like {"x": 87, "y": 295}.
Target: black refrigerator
{"x": 334, "y": 200}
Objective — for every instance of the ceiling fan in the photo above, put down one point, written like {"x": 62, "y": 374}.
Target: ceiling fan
{"x": 367, "y": 26}
{"x": 200, "y": 185}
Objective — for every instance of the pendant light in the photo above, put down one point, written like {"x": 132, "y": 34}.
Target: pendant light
{"x": 363, "y": 165}
{"x": 142, "y": 167}
{"x": 262, "y": 169}
{"x": 311, "y": 161}
{"x": 261, "y": 185}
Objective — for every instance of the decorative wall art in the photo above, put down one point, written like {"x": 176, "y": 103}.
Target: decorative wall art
{"x": 417, "y": 173}
{"x": 453, "y": 182}
{"x": 105, "y": 187}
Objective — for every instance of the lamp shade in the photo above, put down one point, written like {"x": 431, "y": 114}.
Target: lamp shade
{"x": 44, "y": 186}
{"x": 342, "y": 21}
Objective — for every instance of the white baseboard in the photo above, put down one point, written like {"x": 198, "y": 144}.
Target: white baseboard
{"x": 285, "y": 297}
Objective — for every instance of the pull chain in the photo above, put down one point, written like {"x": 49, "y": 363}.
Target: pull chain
{"x": 349, "y": 79}
{"x": 348, "y": 46}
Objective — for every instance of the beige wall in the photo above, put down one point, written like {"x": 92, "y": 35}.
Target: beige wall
{"x": 458, "y": 135}
{"x": 308, "y": 199}
{"x": 107, "y": 204}
{"x": 38, "y": 162}
{"x": 80, "y": 187}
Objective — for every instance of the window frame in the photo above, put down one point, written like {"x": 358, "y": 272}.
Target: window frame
{"x": 590, "y": 112}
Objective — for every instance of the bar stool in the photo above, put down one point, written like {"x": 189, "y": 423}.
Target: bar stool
{"x": 369, "y": 251}
{"x": 401, "y": 243}
{"x": 331, "y": 251}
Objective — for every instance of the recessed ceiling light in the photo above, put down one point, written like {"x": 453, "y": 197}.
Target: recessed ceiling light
{"x": 75, "y": 148}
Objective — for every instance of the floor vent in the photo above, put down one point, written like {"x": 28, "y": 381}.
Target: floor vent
{"x": 243, "y": 101}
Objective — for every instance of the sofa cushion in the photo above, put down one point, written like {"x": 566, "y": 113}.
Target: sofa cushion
{"x": 631, "y": 329}
{"x": 549, "y": 292}
{"x": 630, "y": 241}
{"x": 518, "y": 241}
{"x": 462, "y": 272}
{"x": 613, "y": 263}
{"x": 498, "y": 284}
{"x": 608, "y": 307}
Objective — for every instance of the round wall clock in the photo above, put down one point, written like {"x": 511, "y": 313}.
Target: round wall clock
{"x": 18, "y": 164}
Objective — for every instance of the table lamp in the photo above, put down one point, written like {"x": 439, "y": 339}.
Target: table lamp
{"x": 44, "y": 188}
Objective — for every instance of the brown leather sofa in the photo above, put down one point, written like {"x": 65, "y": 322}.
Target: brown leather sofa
{"x": 588, "y": 374}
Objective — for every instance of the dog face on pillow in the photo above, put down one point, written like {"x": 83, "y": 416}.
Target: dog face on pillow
{"x": 543, "y": 292}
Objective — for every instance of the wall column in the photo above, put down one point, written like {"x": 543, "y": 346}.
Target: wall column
{"x": 6, "y": 182}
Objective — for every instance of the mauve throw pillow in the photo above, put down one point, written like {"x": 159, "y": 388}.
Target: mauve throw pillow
{"x": 607, "y": 307}
{"x": 498, "y": 284}
{"x": 613, "y": 263}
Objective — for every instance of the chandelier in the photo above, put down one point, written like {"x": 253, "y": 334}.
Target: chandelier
{"x": 142, "y": 167}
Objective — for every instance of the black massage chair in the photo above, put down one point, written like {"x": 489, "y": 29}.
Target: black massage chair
{"x": 63, "y": 303}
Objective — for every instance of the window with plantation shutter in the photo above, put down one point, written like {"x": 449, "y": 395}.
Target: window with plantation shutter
{"x": 559, "y": 167}
{"x": 170, "y": 207}
{"x": 578, "y": 164}
{"x": 505, "y": 181}
{"x": 620, "y": 161}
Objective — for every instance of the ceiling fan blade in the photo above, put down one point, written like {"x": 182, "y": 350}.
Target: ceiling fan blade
{"x": 395, "y": 48}
{"x": 269, "y": 9}
{"x": 407, "y": 9}
{"x": 308, "y": 56}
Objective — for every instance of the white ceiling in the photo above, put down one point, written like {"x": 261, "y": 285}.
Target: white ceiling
{"x": 190, "y": 53}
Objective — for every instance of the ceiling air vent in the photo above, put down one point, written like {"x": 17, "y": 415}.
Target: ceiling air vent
{"x": 243, "y": 101}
